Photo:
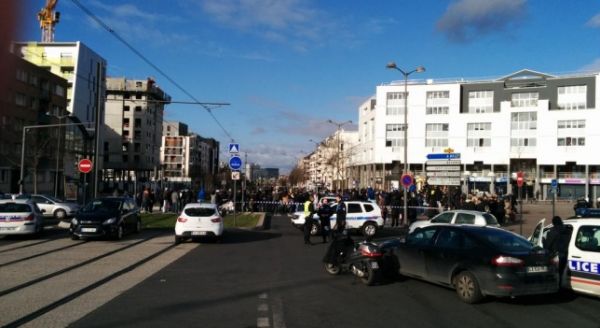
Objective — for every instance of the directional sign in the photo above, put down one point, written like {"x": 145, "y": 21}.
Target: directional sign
{"x": 444, "y": 156}
{"x": 234, "y": 148}
{"x": 235, "y": 163}
{"x": 406, "y": 180}
{"x": 85, "y": 166}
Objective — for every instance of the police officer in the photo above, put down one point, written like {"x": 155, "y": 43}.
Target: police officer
{"x": 557, "y": 241}
{"x": 325, "y": 214}
{"x": 340, "y": 215}
{"x": 309, "y": 210}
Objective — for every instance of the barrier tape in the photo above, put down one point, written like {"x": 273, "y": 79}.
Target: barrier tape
{"x": 302, "y": 204}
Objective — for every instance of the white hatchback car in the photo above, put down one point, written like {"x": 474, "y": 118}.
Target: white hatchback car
{"x": 19, "y": 217}
{"x": 458, "y": 217}
{"x": 199, "y": 220}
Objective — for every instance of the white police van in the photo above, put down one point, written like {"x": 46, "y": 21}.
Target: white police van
{"x": 583, "y": 268}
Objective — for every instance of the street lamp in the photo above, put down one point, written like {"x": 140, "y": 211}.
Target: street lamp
{"x": 419, "y": 69}
{"x": 60, "y": 118}
{"x": 339, "y": 127}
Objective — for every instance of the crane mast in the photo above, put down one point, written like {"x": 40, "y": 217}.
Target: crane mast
{"x": 48, "y": 19}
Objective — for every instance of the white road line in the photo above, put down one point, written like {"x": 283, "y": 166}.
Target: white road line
{"x": 277, "y": 308}
{"x": 262, "y": 322}
{"x": 263, "y": 308}
{"x": 263, "y": 296}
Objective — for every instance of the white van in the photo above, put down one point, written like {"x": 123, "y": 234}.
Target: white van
{"x": 583, "y": 268}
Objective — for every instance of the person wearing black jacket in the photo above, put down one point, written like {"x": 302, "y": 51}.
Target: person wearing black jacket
{"x": 557, "y": 241}
{"x": 340, "y": 215}
{"x": 325, "y": 212}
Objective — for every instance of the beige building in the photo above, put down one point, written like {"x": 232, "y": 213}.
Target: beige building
{"x": 133, "y": 132}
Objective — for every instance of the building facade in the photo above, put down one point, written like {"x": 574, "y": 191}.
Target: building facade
{"x": 539, "y": 124}
{"x": 132, "y": 132}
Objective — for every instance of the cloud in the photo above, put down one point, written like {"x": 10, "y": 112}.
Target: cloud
{"x": 592, "y": 67}
{"x": 594, "y": 21}
{"x": 466, "y": 20}
{"x": 258, "y": 130}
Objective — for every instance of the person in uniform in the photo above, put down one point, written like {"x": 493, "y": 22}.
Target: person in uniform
{"x": 309, "y": 210}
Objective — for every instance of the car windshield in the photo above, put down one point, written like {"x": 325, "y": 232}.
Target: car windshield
{"x": 199, "y": 211}
{"x": 54, "y": 199}
{"x": 102, "y": 205}
{"x": 14, "y": 208}
{"x": 504, "y": 241}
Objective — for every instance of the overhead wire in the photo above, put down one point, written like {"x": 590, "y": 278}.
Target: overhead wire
{"x": 150, "y": 63}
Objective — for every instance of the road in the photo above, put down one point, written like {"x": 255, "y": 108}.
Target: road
{"x": 270, "y": 279}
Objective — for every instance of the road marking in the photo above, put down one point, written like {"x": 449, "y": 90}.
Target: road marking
{"x": 262, "y": 322}
{"x": 277, "y": 308}
{"x": 263, "y": 296}
{"x": 263, "y": 308}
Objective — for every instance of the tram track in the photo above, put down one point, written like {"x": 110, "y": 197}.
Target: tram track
{"x": 23, "y": 259}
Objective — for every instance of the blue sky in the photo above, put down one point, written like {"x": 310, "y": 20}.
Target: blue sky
{"x": 287, "y": 66}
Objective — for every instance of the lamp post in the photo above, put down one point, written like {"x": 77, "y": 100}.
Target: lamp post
{"x": 419, "y": 69}
{"x": 339, "y": 127}
{"x": 60, "y": 118}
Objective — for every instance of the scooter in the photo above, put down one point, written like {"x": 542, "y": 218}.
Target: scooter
{"x": 362, "y": 259}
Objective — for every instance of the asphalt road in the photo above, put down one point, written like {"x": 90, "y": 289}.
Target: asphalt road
{"x": 270, "y": 279}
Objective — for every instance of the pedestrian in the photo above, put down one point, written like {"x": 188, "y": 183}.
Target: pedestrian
{"x": 340, "y": 215}
{"x": 412, "y": 209}
{"x": 383, "y": 206}
{"x": 325, "y": 212}
{"x": 395, "y": 202}
{"x": 557, "y": 242}
{"x": 309, "y": 210}
{"x": 174, "y": 201}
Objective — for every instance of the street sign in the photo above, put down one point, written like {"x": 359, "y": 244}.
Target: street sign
{"x": 406, "y": 180}
{"x": 85, "y": 166}
{"x": 444, "y": 156}
{"x": 554, "y": 183}
{"x": 520, "y": 179}
{"x": 235, "y": 175}
{"x": 234, "y": 148}
{"x": 235, "y": 163}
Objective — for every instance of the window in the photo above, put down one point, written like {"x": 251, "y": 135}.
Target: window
{"x": 20, "y": 99}
{"x": 479, "y": 135}
{"x": 570, "y": 133}
{"x": 481, "y": 102}
{"x": 523, "y": 121}
{"x": 395, "y": 103}
{"x": 570, "y": 141}
{"x": 59, "y": 90}
{"x": 465, "y": 218}
{"x": 524, "y": 99}
{"x": 21, "y": 75}
{"x": 354, "y": 208}
{"x": 125, "y": 147}
{"x": 138, "y": 123}
{"x": 436, "y": 135}
{"x": 450, "y": 239}
{"x": 571, "y": 124}
{"x": 138, "y": 96}
{"x": 523, "y": 142}
{"x": 421, "y": 237}
{"x": 394, "y": 135}
{"x": 126, "y": 122}
{"x": 588, "y": 239}
{"x": 443, "y": 218}
{"x": 437, "y": 102}
{"x": 436, "y": 110}
{"x": 138, "y": 108}
{"x": 438, "y": 94}
{"x": 369, "y": 208}
{"x": 572, "y": 97}
{"x": 126, "y": 108}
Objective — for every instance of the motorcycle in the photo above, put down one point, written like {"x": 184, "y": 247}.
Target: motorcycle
{"x": 363, "y": 259}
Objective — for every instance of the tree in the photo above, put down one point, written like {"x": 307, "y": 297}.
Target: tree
{"x": 296, "y": 176}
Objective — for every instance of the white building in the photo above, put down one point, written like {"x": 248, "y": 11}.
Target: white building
{"x": 537, "y": 123}
{"x": 329, "y": 165}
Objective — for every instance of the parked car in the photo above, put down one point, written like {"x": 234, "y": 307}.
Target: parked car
{"x": 199, "y": 220}
{"x": 106, "y": 217}
{"x": 19, "y": 217}
{"x": 53, "y": 206}
{"x": 478, "y": 261}
{"x": 360, "y": 216}
{"x": 458, "y": 217}
{"x": 583, "y": 258}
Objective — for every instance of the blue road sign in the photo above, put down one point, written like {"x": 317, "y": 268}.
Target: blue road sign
{"x": 235, "y": 163}
{"x": 554, "y": 183}
{"x": 444, "y": 156}
{"x": 406, "y": 180}
{"x": 234, "y": 148}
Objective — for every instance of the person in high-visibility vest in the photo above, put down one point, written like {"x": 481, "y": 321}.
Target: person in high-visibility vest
{"x": 309, "y": 210}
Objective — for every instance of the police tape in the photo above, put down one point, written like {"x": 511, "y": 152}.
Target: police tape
{"x": 299, "y": 205}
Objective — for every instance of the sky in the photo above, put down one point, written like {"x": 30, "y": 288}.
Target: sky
{"x": 288, "y": 66}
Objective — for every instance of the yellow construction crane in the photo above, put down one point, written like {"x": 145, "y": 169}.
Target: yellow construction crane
{"x": 48, "y": 19}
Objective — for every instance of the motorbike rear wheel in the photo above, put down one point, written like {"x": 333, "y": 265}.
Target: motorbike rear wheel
{"x": 333, "y": 269}
{"x": 372, "y": 275}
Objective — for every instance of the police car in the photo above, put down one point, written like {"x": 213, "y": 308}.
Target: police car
{"x": 360, "y": 216}
{"x": 583, "y": 268}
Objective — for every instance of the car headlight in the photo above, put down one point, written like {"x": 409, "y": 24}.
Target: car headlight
{"x": 74, "y": 221}
{"x": 110, "y": 221}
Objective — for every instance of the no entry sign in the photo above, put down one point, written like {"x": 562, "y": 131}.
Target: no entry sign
{"x": 85, "y": 166}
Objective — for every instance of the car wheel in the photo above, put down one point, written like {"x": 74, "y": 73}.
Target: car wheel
{"x": 333, "y": 269}
{"x": 467, "y": 288}
{"x": 138, "y": 226}
{"x": 74, "y": 237}
{"x": 178, "y": 240}
{"x": 369, "y": 229}
{"x": 314, "y": 229}
{"x": 60, "y": 214}
{"x": 372, "y": 276}
{"x": 119, "y": 232}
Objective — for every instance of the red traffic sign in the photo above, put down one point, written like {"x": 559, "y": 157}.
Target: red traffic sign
{"x": 520, "y": 179}
{"x": 85, "y": 166}
{"x": 407, "y": 180}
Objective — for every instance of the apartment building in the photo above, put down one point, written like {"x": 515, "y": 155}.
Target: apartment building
{"x": 540, "y": 124}
{"x": 132, "y": 132}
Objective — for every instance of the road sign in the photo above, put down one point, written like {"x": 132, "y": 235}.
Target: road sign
{"x": 444, "y": 156}
{"x": 554, "y": 183}
{"x": 406, "y": 180}
{"x": 234, "y": 148}
{"x": 520, "y": 179}
{"x": 235, "y": 175}
{"x": 235, "y": 163}
{"x": 85, "y": 166}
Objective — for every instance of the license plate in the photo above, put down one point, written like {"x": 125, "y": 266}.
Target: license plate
{"x": 88, "y": 229}
{"x": 536, "y": 269}
{"x": 374, "y": 265}
{"x": 198, "y": 233}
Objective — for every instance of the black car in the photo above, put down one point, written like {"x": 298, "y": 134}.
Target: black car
{"x": 477, "y": 261}
{"x": 106, "y": 217}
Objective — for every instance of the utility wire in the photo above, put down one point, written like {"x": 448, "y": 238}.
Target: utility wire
{"x": 147, "y": 61}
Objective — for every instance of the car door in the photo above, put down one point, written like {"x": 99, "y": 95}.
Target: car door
{"x": 411, "y": 253}
{"x": 44, "y": 204}
{"x": 584, "y": 259}
{"x": 447, "y": 251}
{"x": 354, "y": 215}
{"x": 126, "y": 214}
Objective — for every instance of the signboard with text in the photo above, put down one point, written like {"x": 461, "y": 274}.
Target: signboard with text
{"x": 443, "y": 169}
